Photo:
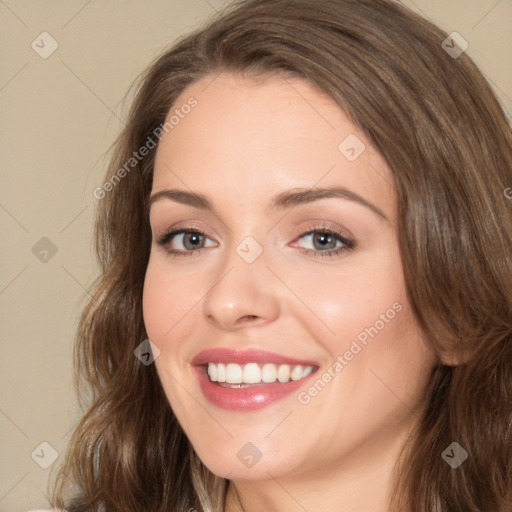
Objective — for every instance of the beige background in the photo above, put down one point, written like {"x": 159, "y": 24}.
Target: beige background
{"x": 59, "y": 115}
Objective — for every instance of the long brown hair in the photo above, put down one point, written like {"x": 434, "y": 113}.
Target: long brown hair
{"x": 444, "y": 136}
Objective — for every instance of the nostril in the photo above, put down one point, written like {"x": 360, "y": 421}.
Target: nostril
{"x": 246, "y": 318}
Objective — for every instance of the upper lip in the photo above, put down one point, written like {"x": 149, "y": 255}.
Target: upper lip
{"x": 227, "y": 355}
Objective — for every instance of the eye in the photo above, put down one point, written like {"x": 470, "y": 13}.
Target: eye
{"x": 189, "y": 241}
{"x": 325, "y": 242}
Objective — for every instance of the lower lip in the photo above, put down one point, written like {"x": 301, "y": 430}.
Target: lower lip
{"x": 246, "y": 399}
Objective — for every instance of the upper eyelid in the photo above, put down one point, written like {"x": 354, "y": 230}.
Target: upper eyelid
{"x": 317, "y": 223}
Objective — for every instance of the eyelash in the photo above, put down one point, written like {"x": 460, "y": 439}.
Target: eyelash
{"x": 348, "y": 245}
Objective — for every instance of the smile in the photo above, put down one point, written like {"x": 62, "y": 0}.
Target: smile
{"x": 248, "y": 380}
{"x": 255, "y": 373}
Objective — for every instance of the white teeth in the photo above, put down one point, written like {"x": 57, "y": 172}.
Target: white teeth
{"x": 221, "y": 372}
{"x": 307, "y": 371}
{"x": 212, "y": 372}
{"x": 233, "y": 373}
{"x": 253, "y": 373}
{"x": 296, "y": 373}
{"x": 269, "y": 373}
{"x": 283, "y": 373}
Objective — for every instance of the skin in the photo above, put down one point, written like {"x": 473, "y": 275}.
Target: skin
{"x": 244, "y": 142}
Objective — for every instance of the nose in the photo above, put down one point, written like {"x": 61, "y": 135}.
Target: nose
{"x": 242, "y": 295}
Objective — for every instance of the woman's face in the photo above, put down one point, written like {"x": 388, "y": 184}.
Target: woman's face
{"x": 284, "y": 274}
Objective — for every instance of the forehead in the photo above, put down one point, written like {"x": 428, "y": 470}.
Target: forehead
{"x": 257, "y": 137}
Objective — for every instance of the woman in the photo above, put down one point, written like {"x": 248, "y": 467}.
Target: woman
{"x": 306, "y": 215}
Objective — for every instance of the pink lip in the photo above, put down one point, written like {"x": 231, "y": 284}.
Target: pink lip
{"x": 226, "y": 355}
{"x": 250, "y": 398}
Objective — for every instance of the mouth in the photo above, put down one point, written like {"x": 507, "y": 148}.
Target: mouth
{"x": 246, "y": 380}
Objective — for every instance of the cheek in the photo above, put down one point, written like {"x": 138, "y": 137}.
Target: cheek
{"x": 346, "y": 303}
{"x": 166, "y": 299}
{"x": 380, "y": 348}
{"x": 166, "y": 302}
{"x": 154, "y": 304}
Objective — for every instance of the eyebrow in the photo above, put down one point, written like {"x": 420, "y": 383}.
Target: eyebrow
{"x": 284, "y": 200}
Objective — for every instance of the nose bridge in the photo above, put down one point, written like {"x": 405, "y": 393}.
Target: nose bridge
{"x": 241, "y": 290}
